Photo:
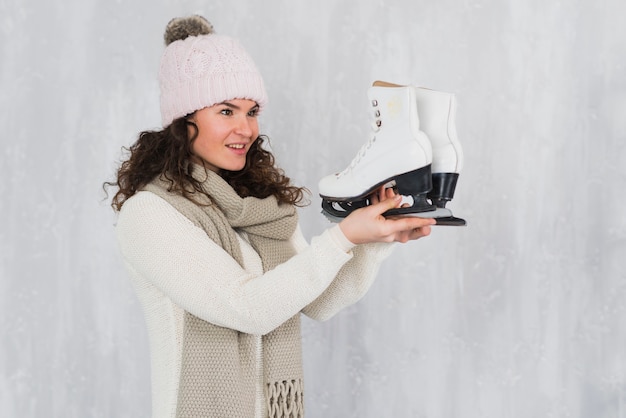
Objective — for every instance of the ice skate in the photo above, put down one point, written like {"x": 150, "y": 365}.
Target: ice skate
{"x": 437, "y": 112}
{"x": 437, "y": 115}
{"x": 398, "y": 154}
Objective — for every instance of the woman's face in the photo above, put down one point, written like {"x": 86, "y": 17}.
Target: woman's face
{"x": 226, "y": 131}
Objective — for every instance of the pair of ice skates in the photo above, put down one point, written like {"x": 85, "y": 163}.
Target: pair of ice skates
{"x": 414, "y": 149}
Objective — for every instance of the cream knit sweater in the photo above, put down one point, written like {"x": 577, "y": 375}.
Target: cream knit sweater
{"x": 175, "y": 268}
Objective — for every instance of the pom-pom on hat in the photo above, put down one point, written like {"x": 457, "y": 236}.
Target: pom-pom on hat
{"x": 200, "y": 68}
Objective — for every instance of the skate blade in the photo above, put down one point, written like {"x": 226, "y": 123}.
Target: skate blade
{"x": 442, "y": 216}
{"x": 332, "y": 218}
{"x": 450, "y": 221}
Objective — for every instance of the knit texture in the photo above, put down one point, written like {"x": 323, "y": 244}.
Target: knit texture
{"x": 218, "y": 364}
{"x": 204, "y": 70}
{"x": 175, "y": 268}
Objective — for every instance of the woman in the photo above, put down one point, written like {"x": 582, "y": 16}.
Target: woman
{"x": 208, "y": 231}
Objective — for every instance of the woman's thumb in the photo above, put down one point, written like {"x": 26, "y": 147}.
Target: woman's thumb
{"x": 385, "y": 205}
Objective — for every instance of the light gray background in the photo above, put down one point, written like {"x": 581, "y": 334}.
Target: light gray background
{"x": 521, "y": 314}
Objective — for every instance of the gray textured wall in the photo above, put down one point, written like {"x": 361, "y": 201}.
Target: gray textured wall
{"x": 521, "y": 314}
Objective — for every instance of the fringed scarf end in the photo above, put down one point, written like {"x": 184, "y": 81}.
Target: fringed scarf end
{"x": 285, "y": 399}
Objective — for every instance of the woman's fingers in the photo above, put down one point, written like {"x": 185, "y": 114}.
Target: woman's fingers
{"x": 369, "y": 225}
{"x": 380, "y": 194}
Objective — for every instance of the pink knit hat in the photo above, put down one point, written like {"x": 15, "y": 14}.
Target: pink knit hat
{"x": 200, "y": 69}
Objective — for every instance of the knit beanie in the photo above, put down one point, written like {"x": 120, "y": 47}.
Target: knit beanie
{"x": 200, "y": 68}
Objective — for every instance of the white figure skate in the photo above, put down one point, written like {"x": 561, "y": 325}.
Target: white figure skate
{"x": 437, "y": 112}
{"x": 398, "y": 154}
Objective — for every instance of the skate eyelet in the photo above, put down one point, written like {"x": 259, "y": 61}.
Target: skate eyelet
{"x": 377, "y": 114}
{"x": 374, "y": 103}
{"x": 379, "y": 123}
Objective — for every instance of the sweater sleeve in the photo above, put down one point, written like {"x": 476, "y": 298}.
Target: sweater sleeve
{"x": 164, "y": 248}
{"x": 351, "y": 282}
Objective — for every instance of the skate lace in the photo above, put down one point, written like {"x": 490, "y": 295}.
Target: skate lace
{"x": 375, "y": 125}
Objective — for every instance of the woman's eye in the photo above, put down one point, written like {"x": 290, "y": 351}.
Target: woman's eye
{"x": 254, "y": 112}
{"x": 226, "y": 112}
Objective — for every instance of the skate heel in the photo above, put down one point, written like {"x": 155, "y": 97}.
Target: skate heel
{"x": 415, "y": 182}
{"x": 444, "y": 185}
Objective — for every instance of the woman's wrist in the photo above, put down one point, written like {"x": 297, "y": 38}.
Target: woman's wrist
{"x": 340, "y": 239}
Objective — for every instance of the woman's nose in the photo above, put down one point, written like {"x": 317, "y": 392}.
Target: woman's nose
{"x": 244, "y": 126}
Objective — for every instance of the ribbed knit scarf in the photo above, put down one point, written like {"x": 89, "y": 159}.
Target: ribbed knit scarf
{"x": 217, "y": 376}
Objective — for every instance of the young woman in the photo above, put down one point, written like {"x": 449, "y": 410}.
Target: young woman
{"x": 208, "y": 231}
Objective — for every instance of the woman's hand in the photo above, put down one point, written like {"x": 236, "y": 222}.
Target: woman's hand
{"x": 367, "y": 224}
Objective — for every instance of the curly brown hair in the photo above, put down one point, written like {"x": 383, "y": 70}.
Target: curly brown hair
{"x": 168, "y": 152}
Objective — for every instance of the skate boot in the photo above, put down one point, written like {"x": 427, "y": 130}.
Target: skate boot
{"x": 398, "y": 154}
{"x": 437, "y": 112}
